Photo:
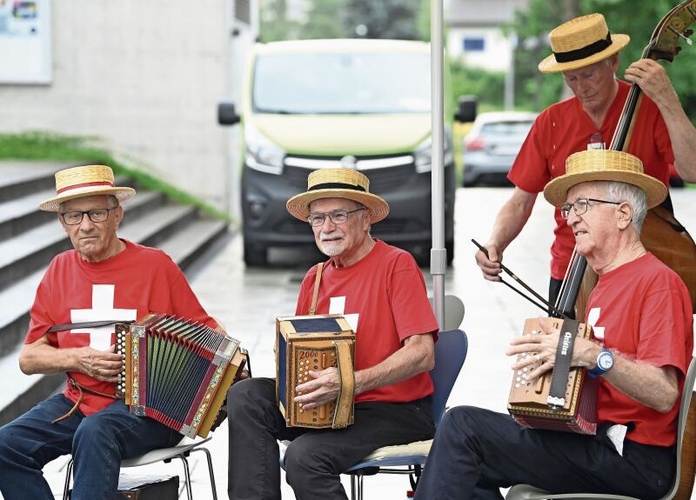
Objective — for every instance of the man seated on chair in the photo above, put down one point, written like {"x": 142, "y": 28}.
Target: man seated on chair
{"x": 641, "y": 315}
{"x": 102, "y": 278}
{"x": 381, "y": 292}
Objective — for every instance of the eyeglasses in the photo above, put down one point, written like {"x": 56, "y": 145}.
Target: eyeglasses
{"x": 338, "y": 217}
{"x": 95, "y": 215}
{"x": 582, "y": 205}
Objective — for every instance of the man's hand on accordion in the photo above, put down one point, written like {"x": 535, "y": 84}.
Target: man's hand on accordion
{"x": 322, "y": 389}
{"x": 538, "y": 352}
{"x": 101, "y": 365}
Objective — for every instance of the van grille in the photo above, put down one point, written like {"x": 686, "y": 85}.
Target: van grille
{"x": 382, "y": 180}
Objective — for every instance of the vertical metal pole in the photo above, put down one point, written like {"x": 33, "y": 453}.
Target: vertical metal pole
{"x": 438, "y": 253}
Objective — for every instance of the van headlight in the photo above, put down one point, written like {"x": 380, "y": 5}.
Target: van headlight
{"x": 262, "y": 154}
{"x": 424, "y": 155}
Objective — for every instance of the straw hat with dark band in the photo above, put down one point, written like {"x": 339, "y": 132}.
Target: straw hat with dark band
{"x": 88, "y": 180}
{"x": 604, "y": 165}
{"x": 338, "y": 183}
{"x": 580, "y": 42}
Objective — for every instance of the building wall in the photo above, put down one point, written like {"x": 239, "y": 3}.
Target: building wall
{"x": 473, "y": 20}
{"x": 145, "y": 76}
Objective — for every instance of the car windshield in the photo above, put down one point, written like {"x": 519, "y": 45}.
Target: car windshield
{"x": 507, "y": 127}
{"x": 346, "y": 82}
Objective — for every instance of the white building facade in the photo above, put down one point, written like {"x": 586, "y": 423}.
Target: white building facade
{"x": 144, "y": 78}
{"x": 474, "y": 31}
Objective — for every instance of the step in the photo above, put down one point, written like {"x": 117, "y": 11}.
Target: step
{"x": 19, "y": 178}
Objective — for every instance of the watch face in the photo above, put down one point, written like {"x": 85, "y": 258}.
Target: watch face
{"x": 605, "y": 361}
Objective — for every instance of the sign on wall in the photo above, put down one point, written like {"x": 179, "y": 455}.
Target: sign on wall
{"x": 25, "y": 41}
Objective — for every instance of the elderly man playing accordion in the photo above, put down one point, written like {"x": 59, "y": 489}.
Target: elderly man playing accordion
{"x": 641, "y": 316}
{"x": 381, "y": 291}
{"x": 104, "y": 278}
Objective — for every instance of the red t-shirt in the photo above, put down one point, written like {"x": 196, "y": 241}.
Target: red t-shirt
{"x": 643, "y": 311}
{"x": 563, "y": 129}
{"x": 137, "y": 281}
{"x": 386, "y": 302}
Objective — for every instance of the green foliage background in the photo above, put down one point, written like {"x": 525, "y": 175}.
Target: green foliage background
{"x": 636, "y": 19}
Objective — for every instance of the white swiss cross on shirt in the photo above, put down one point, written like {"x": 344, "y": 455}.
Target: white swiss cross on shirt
{"x": 102, "y": 310}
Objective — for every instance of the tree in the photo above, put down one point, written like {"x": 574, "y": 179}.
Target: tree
{"x": 637, "y": 19}
{"x": 384, "y": 18}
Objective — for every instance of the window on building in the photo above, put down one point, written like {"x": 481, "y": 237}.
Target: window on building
{"x": 473, "y": 44}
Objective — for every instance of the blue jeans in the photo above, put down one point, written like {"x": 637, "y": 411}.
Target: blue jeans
{"x": 98, "y": 443}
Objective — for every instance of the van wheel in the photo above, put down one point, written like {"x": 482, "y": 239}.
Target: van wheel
{"x": 255, "y": 255}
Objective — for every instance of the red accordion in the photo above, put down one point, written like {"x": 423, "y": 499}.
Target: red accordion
{"x": 177, "y": 372}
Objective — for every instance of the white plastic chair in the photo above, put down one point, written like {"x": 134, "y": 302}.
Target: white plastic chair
{"x": 686, "y": 458}
{"x": 180, "y": 451}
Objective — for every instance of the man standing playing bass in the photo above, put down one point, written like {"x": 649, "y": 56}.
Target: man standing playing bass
{"x": 586, "y": 53}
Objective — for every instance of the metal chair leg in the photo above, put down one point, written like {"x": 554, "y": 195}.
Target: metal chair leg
{"x": 209, "y": 459}
{"x": 187, "y": 477}
{"x": 68, "y": 477}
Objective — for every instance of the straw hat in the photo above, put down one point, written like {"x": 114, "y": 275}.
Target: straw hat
{"x": 87, "y": 180}
{"x": 604, "y": 165}
{"x": 338, "y": 183}
{"x": 580, "y": 42}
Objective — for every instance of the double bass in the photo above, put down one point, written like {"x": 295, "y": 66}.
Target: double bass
{"x": 662, "y": 234}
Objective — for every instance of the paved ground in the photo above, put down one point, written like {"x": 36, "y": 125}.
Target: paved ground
{"x": 247, "y": 302}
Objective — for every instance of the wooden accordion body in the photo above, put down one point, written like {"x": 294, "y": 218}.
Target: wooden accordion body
{"x": 305, "y": 343}
{"x": 530, "y": 404}
{"x": 177, "y": 372}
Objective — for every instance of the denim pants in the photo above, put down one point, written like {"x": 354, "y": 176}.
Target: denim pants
{"x": 476, "y": 452}
{"x": 98, "y": 443}
{"x": 316, "y": 457}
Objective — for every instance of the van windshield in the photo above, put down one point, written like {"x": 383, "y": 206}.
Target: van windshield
{"x": 345, "y": 82}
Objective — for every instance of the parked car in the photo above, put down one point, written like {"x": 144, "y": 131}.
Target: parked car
{"x": 492, "y": 144}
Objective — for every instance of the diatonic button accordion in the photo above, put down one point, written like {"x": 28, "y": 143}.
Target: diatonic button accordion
{"x": 177, "y": 372}
{"x": 305, "y": 343}
{"x": 558, "y": 400}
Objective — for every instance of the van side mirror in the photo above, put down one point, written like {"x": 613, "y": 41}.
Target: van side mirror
{"x": 227, "y": 114}
{"x": 466, "y": 112}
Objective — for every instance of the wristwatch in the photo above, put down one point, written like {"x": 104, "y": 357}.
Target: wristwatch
{"x": 605, "y": 361}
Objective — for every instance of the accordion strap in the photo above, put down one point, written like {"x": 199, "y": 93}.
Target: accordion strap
{"x": 81, "y": 389}
{"x": 561, "y": 368}
{"x": 346, "y": 394}
{"x": 84, "y": 324}
{"x": 315, "y": 295}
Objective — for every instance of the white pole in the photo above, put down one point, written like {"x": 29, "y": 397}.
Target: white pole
{"x": 438, "y": 253}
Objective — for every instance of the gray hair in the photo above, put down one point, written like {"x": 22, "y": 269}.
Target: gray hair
{"x": 633, "y": 195}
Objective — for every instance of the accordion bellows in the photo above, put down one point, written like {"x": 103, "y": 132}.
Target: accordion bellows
{"x": 529, "y": 402}
{"x": 316, "y": 342}
{"x": 178, "y": 372}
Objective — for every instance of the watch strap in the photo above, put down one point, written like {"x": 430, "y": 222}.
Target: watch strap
{"x": 598, "y": 370}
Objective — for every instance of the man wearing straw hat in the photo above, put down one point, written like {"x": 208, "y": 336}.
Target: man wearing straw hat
{"x": 381, "y": 292}
{"x": 642, "y": 342}
{"x": 586, "y": 53}
{"x": 102, "y": 278}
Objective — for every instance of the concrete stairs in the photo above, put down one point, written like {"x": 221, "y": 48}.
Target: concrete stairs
{"x": 30, "y": 238}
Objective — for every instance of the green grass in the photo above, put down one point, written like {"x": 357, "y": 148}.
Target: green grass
{"x": 48, "y": 146}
